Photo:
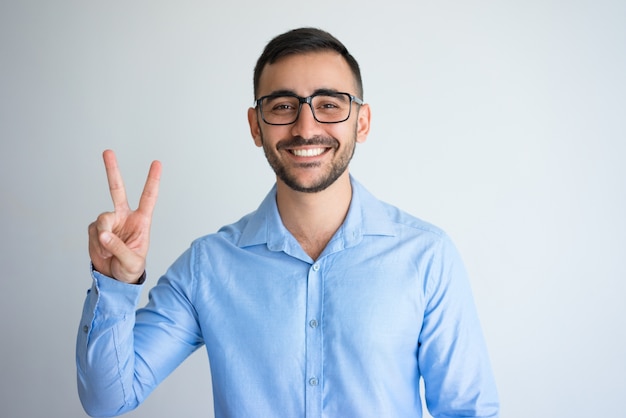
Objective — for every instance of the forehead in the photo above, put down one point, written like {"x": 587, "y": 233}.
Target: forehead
{"x": 303, "y": 74}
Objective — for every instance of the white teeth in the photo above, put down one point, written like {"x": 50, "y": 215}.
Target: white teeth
{"x": 310, "y": 152}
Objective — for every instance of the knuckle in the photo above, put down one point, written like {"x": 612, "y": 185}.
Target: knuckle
{"x": 103, "y": 221}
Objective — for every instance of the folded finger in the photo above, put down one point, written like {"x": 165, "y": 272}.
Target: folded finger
{"x": 95, "y": 247}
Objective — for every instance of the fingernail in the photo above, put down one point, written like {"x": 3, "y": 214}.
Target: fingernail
{"x": 105, "y": 237}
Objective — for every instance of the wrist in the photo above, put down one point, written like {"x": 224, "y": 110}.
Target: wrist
{"x": 140, "y": 280}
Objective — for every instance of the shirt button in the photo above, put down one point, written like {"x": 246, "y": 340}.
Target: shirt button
{"x": 85, "y": 329}
{"x": 313, "y": 323}
{"x": 313, "y": 381}
{"x": 316, "y": 267}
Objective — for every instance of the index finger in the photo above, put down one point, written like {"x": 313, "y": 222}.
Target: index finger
{"x": 148, "y": 198}
{"x": 116, "y": 184}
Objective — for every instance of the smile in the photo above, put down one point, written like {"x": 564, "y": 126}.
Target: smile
{"x": 308, "y": 152}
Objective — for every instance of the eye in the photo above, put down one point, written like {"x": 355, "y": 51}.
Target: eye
{"x": 282, "y": 104}
{"x": 329, "y": 103}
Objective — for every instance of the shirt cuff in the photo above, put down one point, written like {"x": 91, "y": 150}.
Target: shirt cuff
{"x": 141, "y": 279}
{"x": 115, "y": 296}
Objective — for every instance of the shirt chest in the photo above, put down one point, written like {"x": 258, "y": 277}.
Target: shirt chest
{"x": 345, "y": 298}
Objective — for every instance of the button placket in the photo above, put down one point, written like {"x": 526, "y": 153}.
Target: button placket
{"x": 314, "y": 340}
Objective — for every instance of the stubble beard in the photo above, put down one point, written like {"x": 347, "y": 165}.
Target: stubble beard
{"x": 337, "y": 168}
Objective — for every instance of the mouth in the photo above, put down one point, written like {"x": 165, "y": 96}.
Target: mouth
{"x": 308, "y": 148}
{"x": 308, "y": 152}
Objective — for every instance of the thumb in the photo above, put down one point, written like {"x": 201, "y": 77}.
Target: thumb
{"x": 116, "y": 247}
{"x": 128, "y": 265}
{"x": 107, "y": 240}
{"x": 113, "y": 244}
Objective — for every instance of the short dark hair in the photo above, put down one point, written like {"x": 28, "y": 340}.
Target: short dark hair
{"x": 300, "y": 41}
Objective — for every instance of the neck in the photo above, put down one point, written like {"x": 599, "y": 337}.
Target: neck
{"x": 313, "y": 218}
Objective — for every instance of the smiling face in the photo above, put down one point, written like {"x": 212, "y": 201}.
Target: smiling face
{"x": 309, "y": 156}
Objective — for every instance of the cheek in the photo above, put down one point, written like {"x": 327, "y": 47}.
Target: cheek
{"x": 268, "y": 136}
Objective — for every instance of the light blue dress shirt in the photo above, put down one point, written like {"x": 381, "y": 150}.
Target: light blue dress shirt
{"x": 347, "y": 335}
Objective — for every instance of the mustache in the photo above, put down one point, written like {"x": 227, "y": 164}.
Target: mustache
{"x": 298, "y": 141}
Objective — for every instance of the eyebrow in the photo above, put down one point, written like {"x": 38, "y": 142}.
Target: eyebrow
{"x": 286, "y": 92}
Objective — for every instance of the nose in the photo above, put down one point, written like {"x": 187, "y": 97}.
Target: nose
{"x": 305, "y": 126}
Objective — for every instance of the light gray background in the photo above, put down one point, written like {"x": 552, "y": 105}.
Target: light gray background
{"x": 503, "y": 122}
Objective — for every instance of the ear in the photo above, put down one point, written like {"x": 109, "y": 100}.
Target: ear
{"x": 363, "y": 123}
{"x": 255, "y": 128}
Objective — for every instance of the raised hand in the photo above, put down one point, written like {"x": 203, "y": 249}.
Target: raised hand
{"x": 119, "y": 240}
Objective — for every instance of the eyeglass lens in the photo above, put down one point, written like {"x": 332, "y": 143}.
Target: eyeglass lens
{"x": 284, "y": 110}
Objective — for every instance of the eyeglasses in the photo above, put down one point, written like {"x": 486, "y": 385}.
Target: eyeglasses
{"x": 327, "y": 107}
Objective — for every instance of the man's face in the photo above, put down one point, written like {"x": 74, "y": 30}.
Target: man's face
{"x": 309, "y": 156}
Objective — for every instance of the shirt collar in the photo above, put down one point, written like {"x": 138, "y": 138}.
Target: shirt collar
{"x": 366, "y": 216}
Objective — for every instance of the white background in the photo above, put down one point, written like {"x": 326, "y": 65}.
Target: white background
{"x": 503, "y": 122}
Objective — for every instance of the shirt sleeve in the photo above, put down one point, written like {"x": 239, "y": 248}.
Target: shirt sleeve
{"x": 122, "y": 353}
{"x": 452, "y": 353}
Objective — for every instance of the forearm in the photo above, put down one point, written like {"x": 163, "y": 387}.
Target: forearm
{"x": 453, "y": 355}
{"x": 105, "y": 355}
{"x": 122, "y": 353}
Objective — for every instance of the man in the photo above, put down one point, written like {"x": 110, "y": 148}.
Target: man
{"x": 323, "y": 302}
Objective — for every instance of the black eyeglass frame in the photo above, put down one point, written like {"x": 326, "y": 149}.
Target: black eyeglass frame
{"x": 309, "y": 101}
